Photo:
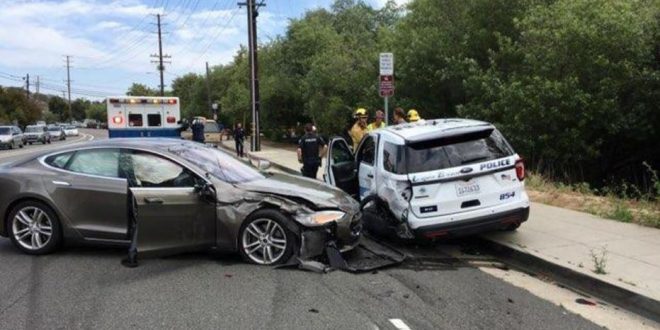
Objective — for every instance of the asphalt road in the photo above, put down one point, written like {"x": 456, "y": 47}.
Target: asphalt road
{"x": 86, "y": 287}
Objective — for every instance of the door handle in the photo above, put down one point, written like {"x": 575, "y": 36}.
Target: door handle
{"x": 370, "y": 176}
{"x": 61, "y": 183}
{"x": 153, "y": 200}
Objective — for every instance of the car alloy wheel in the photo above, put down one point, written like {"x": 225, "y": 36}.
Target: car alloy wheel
{"x": 34, "y": 228}
{"x": 264, "y": 241}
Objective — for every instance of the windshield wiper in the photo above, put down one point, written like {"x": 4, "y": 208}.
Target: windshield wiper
{"x": 472, "y": 160}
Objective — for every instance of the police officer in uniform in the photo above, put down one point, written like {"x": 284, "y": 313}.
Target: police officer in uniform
{"x": 310, "y": 146}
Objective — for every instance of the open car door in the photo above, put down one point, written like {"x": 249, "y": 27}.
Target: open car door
{"x": 341, "y": 170}
{"x": 173, "y": 220}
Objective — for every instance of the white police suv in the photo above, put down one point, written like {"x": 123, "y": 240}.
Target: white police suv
{"x": 432, "y": 179}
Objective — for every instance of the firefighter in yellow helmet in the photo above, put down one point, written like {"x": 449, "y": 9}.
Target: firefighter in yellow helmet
{"x": 413, "y": 116}
{"x": 359, "y": 129}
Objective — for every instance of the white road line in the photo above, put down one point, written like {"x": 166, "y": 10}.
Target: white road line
{"x": 399, "y": 324}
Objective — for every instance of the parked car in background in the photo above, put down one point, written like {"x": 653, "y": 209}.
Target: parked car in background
{"x": 212, "y": 131}
{"x": 90, "y": 123}
{"x": 37, "y": 133}
{"x": 57, "y": 132}
{"x": 433, "y": 179}
{"x": 41, "y": 123}
{"x": 71, "y": 130}
{"x": 11, "y": 137}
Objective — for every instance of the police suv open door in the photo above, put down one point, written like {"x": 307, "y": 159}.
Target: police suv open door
{"x": 173, "y": 209}
{"x": 340, "y": 170}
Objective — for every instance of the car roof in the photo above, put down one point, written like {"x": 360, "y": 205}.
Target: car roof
{"x": 434, "y": 128}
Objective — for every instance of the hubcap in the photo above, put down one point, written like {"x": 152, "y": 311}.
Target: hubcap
{"x": 264, "y": 241}
{"x": 32, "y": 228}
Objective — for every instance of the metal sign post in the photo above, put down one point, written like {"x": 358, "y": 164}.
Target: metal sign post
{"x": 386, "y": 86}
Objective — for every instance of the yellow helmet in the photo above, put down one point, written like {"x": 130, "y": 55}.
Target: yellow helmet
{"x": 413, "y": 116}
{"x": 361, "y": 112}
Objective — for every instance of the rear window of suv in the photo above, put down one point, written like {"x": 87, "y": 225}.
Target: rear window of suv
{"x": 446, "y": 152}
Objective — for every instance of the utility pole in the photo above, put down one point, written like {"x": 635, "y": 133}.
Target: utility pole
{"x": 208, "y": 89}
{"x": 27, "y": 85}
{"x": 68, "y": 83}
{"x": 252, "y": 13}
{"x": 160, "y": 56}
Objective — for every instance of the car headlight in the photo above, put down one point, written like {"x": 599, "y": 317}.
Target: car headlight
{"x": 319, "y": 218}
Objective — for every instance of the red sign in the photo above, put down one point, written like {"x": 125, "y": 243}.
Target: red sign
{"x": 386, "y": 86}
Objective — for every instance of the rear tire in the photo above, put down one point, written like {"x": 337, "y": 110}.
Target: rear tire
{"x": 34, "y": 228}
{"x": 264, "y": 238}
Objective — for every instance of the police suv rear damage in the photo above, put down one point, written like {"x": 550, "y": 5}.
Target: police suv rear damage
{"x": 440, "y": 178}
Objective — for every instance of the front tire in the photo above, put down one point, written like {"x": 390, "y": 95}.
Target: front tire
{"x": 265, "y": 239}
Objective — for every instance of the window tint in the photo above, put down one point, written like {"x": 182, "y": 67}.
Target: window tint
{"x": 60, "y": 160}
{"x": 4, "y": 131}
{"x": 393, "y": 158}
{"x": 102, "y": 162}
{"x": 154, "y": 171}
{"x": 368, "y": 151}
{"x": 135, "y": 120}
{"x": 153, "y": 119}
{"x": 431, "y": 155}
{"x": 340, "y": 153}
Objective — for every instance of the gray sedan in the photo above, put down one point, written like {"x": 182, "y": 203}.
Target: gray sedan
{"x": 164, "y": 196}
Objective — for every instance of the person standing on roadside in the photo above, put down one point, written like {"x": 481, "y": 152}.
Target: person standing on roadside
{"x": 359, "y": 129}
{"x": 399, "y": 116}
{"x": 239, "y": 137}
{"x": 310, "y": 147}
{"x": 378, "y": 123}
{"x": 198, "y": 131}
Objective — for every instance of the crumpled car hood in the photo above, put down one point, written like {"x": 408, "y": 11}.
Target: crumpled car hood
{"x": 316, "y": 192}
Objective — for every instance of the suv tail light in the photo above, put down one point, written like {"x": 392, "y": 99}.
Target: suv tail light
{"x": 520, "y": 169}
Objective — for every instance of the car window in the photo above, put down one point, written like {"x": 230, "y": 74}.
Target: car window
{"x": 60, "y": 160}
{"x": 211, "y": 127}
{"x": 217, "y": 163}
{"x": 154, "y": 171}
{"x": 367, "y": 152}
{"x": 33, "y": 129}
{"x": 4, "y": 131}
{"x": 154, "y": 120}
{"x": 435, "y": 155}
{"x": 102, "y": 162}
{"x": 340, "y": 153}
{"x": 393, "y": 160}
{"x": 135, "y": 120}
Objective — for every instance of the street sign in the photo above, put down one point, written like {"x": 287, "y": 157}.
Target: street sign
{"x": 386, "y": 86}
{"x": 386, "y": 64}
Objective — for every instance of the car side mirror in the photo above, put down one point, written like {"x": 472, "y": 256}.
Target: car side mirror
{"x": 263, "y": 164}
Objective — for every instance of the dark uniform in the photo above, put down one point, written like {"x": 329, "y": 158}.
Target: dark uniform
{"x": 198, "y": 131}
{"x": 239, "y": 136}
{"x": 309, "y": 145}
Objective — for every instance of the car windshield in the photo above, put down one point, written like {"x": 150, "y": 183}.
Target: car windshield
{"x": 34, "y": 129}
{"x": 217, "y": 163}
{"x": 445, "y": 153}
{"x": 211, "y": 127}
{"x": 54, "y": 129}
{"x": 5, "y": 131}
{"x": 70, "y": 127}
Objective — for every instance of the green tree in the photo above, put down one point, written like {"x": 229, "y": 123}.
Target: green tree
{"x": 141, "y": 90}
{"x": 58, "y": 106}
{"x": 78, "y": 108}
{"x": 15, "y": 106}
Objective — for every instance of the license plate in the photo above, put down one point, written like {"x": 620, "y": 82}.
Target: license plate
{"x": 469, "y": 188}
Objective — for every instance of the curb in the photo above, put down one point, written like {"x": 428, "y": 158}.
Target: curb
{"x": 622, "y": 297}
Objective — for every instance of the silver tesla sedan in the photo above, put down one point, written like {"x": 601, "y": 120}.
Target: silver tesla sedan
{"x": 167, "y": 196}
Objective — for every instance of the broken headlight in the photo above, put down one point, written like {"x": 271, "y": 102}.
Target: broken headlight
{"x": 319, "y": 218}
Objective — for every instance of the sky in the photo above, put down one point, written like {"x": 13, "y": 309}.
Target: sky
{"x": 110, "y": 42}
